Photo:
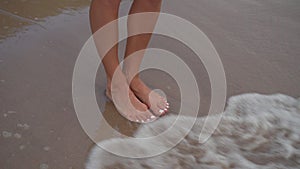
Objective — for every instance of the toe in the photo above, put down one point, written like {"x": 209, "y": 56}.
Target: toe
{"x": 144, "y": 116}
{"x": 164, "y": 102}
{"x": 159, "y": 111}
{"x": 156, "y": 110}
{"x": 163, "y": 105}
{"x": 132, "y": 118}
{"x": 149, "y": 116}
{"x": 167, "y": 105}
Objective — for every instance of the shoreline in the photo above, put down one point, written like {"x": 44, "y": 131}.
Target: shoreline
{"x": 259, "y": 51}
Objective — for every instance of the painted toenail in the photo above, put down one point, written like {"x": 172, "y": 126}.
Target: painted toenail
{"x": 142, "y": 121}
{"x": 137, "y": 120}
{"x": 166, "y": 109}
{"x": 161, "y": 111}
{"x": 152, "y": 117}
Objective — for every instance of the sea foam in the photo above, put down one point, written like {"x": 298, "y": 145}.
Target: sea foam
{"x": 256, "y": 131}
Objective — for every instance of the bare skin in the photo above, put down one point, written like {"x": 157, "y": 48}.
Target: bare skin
{"x": 153, "y": 100}
{"x": 101, "y": 13}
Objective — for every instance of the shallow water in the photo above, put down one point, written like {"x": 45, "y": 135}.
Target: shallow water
{"x": 15, "y": 14}
{"x": 258, "y": 43}
{"x": 256, "y": 131}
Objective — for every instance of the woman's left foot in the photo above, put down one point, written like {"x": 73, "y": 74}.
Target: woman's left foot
{"x": 152, "y": 99}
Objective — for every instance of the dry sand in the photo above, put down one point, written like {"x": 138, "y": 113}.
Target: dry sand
{"x": 257, "y": 40}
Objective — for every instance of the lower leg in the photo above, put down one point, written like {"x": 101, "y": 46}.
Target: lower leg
{"x": 101, "y": 13}
{"x": 140, "y": 42}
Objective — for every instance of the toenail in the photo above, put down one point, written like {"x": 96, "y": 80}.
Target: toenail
{"x": 137, "y": 120}
{"x": 142, "y": 121}
{"x": 167, "y": 103}
{"x": 168, "y": 107}
{"x": 161, "y": 111}
{"x": 152, "y": 117}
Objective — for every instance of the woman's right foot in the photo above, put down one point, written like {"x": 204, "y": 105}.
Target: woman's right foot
{"x": 128, "y": 105}
{"x": 158, "y": 104}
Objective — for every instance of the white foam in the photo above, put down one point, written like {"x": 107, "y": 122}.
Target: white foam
{"x": 256, "y": 131}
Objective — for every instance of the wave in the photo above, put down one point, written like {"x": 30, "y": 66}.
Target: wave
{"x": 256, "y": 131}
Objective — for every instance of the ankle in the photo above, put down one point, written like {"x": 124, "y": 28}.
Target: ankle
{"x": 137, "y": 85}
{"x": 134, "y": 80}
{"x": 117, "y": 83}
{"x": 129, "y": 75}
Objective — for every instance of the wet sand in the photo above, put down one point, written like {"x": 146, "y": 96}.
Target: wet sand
{"x": 258, "y": 42}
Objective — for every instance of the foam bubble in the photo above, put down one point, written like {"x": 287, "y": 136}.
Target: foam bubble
{"x": 6, "y": 134}
{"x": 256, "y": 131}
{"x": 44, "y": 166}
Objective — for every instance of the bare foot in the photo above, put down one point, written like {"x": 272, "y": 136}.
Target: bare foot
{"x": 131, "y": 108}
{"x": 152, "y": 99}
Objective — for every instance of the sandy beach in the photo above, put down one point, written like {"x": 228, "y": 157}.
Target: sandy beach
{"x": 258, "y": 42}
